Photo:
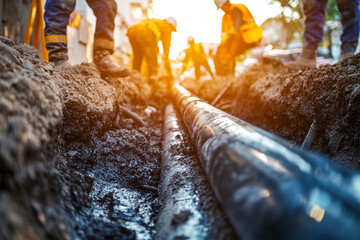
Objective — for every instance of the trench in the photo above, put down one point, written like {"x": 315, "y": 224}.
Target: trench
{"x": 115, "y": 189}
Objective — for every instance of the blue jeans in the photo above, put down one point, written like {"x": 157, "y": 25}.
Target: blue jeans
{"x": 56, "y": 18}
{"x": 314, "y": 11}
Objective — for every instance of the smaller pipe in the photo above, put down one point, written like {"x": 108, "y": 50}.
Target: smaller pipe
{"x": 217, "y": 98}
{"x": 189, "y": 209}
{"x": 310, "y": 136}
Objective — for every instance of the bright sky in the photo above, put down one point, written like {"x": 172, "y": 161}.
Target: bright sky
{"x": 200, "y": 19}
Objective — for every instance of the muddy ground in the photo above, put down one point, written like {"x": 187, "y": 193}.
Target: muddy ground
{"x": 286, "y": 103}
{"x": 80, "y": 155}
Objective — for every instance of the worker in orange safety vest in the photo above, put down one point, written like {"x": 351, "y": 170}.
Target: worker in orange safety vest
{"x": 196, "y": 53}
{"x": 239, "y": 33}
{"x": 144, "y": 37}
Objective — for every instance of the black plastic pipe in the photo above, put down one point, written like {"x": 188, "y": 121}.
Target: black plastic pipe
{"x": 269, "y": 188}
{"x": 188, "y": 208}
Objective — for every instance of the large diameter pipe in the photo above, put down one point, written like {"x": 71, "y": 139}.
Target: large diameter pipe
{"x": 269, "y": 188}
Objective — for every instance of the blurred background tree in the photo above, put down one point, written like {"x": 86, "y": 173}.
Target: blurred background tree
{"x": 332, "y": 22}
{"x": 288, "y": 23}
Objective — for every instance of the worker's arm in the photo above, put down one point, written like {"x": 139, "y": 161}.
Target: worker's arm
{"x": 236, "y": 16}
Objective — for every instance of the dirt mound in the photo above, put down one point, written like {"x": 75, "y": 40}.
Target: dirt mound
{"x": 269, "y": 96}
{"x": 74, "y": 162}
{"x": 30, "y": 122}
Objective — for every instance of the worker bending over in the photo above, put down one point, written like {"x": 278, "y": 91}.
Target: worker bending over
{"x": 239, "y": 33}
{"x": 56, "y": 18}
{"x": 144, "y": 37}
{"x": 196, "y": 53}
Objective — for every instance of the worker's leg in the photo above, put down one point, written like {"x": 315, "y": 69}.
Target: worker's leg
{"x": 56, "y": 18}
{"x": 350, "y": 21}
{"x": 105, "y": 12}
{"x": 197, "y": 71}
{"x": 207, "y": 67}
{"x": 151, "y": 51}
{"x": 314, "y": 11}
{"x": 138, "y": 53}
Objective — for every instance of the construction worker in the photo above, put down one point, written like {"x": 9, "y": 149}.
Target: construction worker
{"x": 56, "y": 18}
{"x": 144, "y": 37}
{"x": 196, "y": 53}
{"x": 314, "y": 30}
{"x": 239, "y": 33}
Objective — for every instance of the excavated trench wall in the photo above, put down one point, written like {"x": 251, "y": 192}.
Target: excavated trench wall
{"x": 30, "y": 122}
{"x": 73, "y": 165}
{"x": 285, "y": 103}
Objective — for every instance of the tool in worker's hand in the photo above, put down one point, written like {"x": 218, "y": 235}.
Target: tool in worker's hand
{"x": 36, "y": 14}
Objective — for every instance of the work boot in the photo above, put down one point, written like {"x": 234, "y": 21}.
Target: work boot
{"x": 347, "y": 50}
{"x": 307, "y": 59}
{"x": 60, "y": 59}
{"x": 107, "y": 66}
{"x": 62, "y": 64}
{"x": 345, "y": 55}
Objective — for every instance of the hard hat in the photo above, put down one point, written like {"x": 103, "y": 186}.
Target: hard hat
{"x": 172, "y": 21}
{"x": 191, "y": 39}
{"x": 220, "y": 3}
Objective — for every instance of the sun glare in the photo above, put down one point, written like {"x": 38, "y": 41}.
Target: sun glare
{"x": 199, "y": 18}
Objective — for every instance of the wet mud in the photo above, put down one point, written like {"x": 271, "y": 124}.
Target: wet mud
{"x": 286, "y": 103}
{"x": 110, "y": 162}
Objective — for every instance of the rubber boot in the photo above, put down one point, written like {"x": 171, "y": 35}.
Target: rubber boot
{"x": 307, "y": 59}
{"x": 107, "y": 65}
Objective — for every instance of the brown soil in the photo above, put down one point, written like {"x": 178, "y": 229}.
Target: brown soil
{"x": 75, "y": 164}
{"x": 285, "y": 103}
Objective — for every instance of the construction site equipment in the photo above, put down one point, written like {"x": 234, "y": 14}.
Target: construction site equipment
{"x": 269, "y": 188}
{"x": 35, "y": 28}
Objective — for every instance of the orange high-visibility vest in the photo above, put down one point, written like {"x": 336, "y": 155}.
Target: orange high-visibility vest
{"x": 249, "y": 31}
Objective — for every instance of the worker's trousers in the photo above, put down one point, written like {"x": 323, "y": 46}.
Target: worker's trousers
{"x": 197, "y": 66}
{"x": 315, "y": 19}
{"x": 144, "y": 45}
{"x": 56, "y": 18}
